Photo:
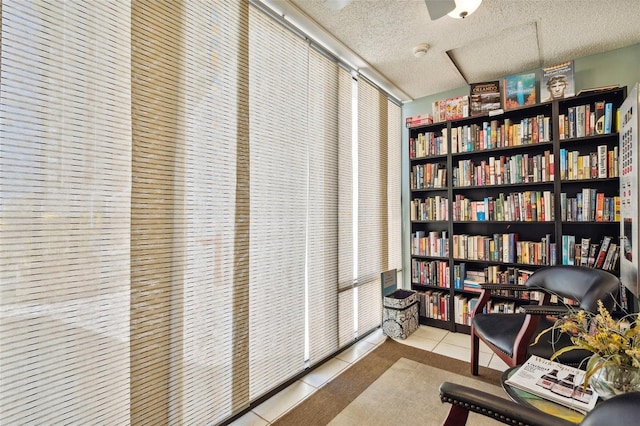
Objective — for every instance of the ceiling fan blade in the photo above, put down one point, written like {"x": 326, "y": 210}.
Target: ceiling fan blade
{"x": 337, "y": 4}
{"x": 438, "y": 8}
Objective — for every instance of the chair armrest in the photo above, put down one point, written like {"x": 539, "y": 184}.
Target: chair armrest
{"x": 553, "y": 310}
{"x": 499, "y": 409}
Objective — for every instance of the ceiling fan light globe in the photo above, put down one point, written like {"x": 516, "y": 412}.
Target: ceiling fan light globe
{"x": 464, "y": 8}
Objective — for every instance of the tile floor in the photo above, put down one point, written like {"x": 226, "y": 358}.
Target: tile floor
{"x": 454, "y": 345}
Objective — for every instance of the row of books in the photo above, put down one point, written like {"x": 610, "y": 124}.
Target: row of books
{"x": 603, "y": 255}
{"x": 594, "y": 165}
{"x": 464, "y": 279}
{"x": 523, "y": 206}
{"x": 430, "y": 175}
{"x": 493, "y": 134}
{"x": 504, "y": 248}
{"x": 430, "y": 244}
{"x": 589, "y": 205}
{"x": 431, "y": 208}
{"x": 434, "y": 304}
{"x": 464, "y": 306}
{"x": 428, "y": 143}
{"x": 586, "y": 120}
{"x": 430, "y": 273}
{"x": 519, "y": 168}
{"x": 477, "y": 137}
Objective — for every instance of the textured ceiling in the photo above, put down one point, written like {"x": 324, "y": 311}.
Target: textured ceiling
{"x": 502, "y": 37}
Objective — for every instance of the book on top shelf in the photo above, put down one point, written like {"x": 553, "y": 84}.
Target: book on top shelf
{"x": 557, "y": 82}
{"x": 598, "y": 89}
{"x": 484, "y": 97}
{"x": 519, "y": 90}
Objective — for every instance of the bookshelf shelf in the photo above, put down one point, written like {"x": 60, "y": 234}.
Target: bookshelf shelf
{"x": 513, "y": 183}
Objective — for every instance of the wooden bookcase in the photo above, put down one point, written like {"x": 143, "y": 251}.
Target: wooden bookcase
{"x": 499, "y": 196}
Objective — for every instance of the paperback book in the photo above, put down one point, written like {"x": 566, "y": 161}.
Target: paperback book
{"x": 555, "y": 382}
{"x": 485, "y": 97}
{"x": 557, "y": 82}
{"x": 519, "y": 90}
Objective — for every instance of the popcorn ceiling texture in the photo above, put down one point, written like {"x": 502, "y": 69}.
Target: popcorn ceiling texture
{"x": 502, "y": 37}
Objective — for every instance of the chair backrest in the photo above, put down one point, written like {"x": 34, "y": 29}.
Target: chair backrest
{"x": 580, "y": 283}
{"x": 620, "y": 410}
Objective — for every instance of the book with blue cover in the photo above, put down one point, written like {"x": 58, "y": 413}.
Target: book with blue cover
{"x": 519, "y": 90}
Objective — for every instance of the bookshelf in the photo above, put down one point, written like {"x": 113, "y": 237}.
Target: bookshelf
{"x": 495, "y": 197}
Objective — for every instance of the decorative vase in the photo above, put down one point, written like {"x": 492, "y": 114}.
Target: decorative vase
{"x": 611, "y": 379}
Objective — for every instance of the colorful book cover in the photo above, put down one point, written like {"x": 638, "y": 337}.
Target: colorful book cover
{"x": 519, "y": 90}
{"x": 557, "y": 82}
{"x": 484, "y": 97}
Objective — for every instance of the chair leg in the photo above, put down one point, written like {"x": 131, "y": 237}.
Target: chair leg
{"x": 475, "y": 348}
{"x": 457, "y": 416}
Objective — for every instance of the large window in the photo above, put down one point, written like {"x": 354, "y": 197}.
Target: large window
{"x": 197, "y": 205}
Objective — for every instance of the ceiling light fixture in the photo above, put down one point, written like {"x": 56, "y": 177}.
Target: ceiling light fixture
{"x": 464, "y": 8}
{"x": 420, "y": 50}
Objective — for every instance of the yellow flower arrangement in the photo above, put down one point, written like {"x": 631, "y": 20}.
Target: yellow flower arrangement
{"x": 614, "y": 343}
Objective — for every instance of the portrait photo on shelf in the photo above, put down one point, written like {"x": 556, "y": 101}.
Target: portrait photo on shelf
{"x": 557, "y": 82}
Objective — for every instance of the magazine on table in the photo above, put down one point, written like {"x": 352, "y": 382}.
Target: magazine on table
{"x": 555, "y": 382}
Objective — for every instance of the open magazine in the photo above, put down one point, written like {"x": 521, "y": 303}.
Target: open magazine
{"x": 555, "y": 382}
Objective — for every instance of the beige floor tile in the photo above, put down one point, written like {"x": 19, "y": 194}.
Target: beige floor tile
{"x": 458, "y": 339}
{"x": 284, "y": 401}
{"x": 461, "y": 353}
{"x": 325, "y": 372}
{"x": 356, "y": 351}
{"x": 483, "y": 347}
{"x": 419, "y": 342}
{"x": 464, "y": 340}
{"x": 249, "y": 419}
{"x": 497, "y": 364}
{"x": 376, "y": 337}
{"x": 432, "y": 333}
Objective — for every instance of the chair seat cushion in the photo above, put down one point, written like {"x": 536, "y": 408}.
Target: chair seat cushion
{"x": 501, "y": 331}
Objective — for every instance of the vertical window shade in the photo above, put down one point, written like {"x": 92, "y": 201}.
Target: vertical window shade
{"x": 189, "y": 212}
{"x": 372, "y": 203}
{"x": 278, "y": 202}
{"x": 155, "y": 303}
{"x": 322, "y": 253}
{"x": 394, "y": 187}
{"x": 65, "y": 172}
{"x": 346, "y": 325}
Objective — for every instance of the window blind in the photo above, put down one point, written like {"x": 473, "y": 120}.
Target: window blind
{"x": 278, "y": 171}
{"x": 346, "y": 259}
{"x": 394, "y": 188}
{"x": 322, "y": 216}
{"x": 372, "y": 203}
{"x": 66, "y": 174}
{"x": 190, "y": 215}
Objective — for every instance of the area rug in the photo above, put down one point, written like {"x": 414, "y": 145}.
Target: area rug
{"x": 327, "y": 404}
{"x": 407, "y": 394}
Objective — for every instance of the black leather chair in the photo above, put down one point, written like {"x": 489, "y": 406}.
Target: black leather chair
{"x": 509, "y": 335}
{"x": 622, "y": 410}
